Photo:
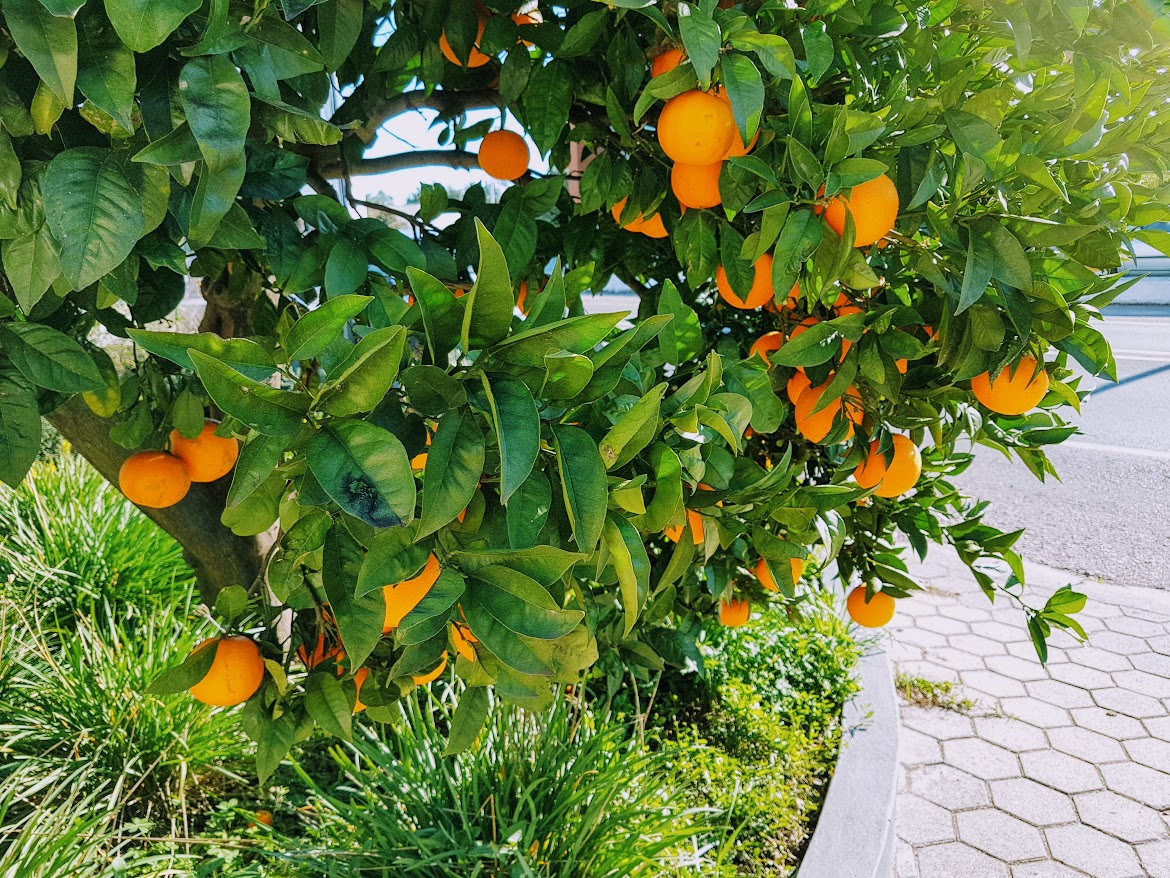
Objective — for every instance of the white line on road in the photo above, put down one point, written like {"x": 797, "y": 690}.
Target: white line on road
{"x": 1116, "y": 449}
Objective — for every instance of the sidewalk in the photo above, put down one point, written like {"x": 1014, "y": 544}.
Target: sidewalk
{"x": 1057, "y": 772}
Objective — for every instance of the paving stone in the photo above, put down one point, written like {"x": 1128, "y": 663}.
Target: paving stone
{"x": 1122, "y": 644}
{"x": 1108, "y": 723}
{"x": 964, "y": 613}
{"x": 1092, "y": 851}
{"x": 1129, "y": 703}
{"x": 1039, "y": 713}
{"x": 981, "y": 759}
{"x": 921, "y": 637}
{"x": 915, "y": 748}
{"x": 899, "y": 652}
{"x": 1060, "y": 771}
{"x": 1000, "y": 631}
{"x": 977, "y": 645}
{"x": 992, "y": 684}
{"x": 1100, "y": 659}
{"x": 1136, "y": 627}
{"x": 1161, "y": 644}
{"x": 1151, "y": 752}
{"x": 1013, "y": 734}
{"x": 958, "y": 859}
{"x": 929, "y": 670}
{"x": 1153, "y": 685}
{"x": 1017, "y": 668}
{"x": 1085, "y": 744}
{"x": 921, "y": 822}
{"x": 1032, "y": 801}
{"x": 949, "y": 787}
{"x": 1139, "y": 782}
{"x": 937, "y": 723}
{"x": 1152, "y": 662}
{"x": 1001, "y": 835}
{"x": 905, "y": 865}
{"x": 1155, "y": 857}
{"x": 1047, "y": 869}
{"x": 1119, "y": 816}
{"x": 1060, "y": 694}
{"x": 1149, "y": 615}
{"x": 1079, "y": 675}
{"x": 944, "y": 625}
{"x": 1025, "y": 650}
{"x": 1159, "y": 727}
{"x": 957, "y": 659}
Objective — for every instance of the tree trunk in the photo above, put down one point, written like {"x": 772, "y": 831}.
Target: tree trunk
{"x": 218, "y": 557}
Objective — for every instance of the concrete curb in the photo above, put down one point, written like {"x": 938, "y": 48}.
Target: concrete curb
{"x": 855, "y": 834}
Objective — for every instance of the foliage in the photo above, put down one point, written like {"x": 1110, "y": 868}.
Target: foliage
{"x": 556, "y": 793}
{"x": 924, "y": 692}
{"x": 143, "y": 144}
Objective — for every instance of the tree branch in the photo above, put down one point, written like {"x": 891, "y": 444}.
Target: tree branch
{"x": 218, "y": 556}
{"x": 379, "y": 111}
{"x": 402, "y": 161}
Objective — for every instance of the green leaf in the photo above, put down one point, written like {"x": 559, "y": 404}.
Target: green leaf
{"x": 546, "y": 103}
{"x": 545, "y": 564}
{"x": 632, "y": 565}
{"x": 977, "y": 275}
{"x": 682, "y": 338}
{"x": 31, "y": 264}
{"x": 259, "y": 456}
{"x": 49, "y": 358}
{"x": 506, "y": 645}
{"x": 695, "y": 246}
{"x": 441, "y": 312}
{"x": 241, "y": 354}
{"x": 517, "y": 425}
{"x": 392, "y": 556}
{"x": 521, "y": 604}
{"x": 10, "y": 171}
{"x": 218, "y": 109}
{"x": 339, "y": 24}
{"x": 214, "y": 197}
{"x": 183, "y": 676}
{"x": 583, "y": 484}
{"x": 327, "y": 703}
{"x": 666, "y": 506}
{"x": 362, "y": 380}
{"x": 745, "y": 88}
{"x": 528, "y": 510}
{"x": 454, "y": 468}
{"x": 319, "y": 328}
{"x": 106, "y": 73}
{"x": 432, "y": 391}
{"x": 359, "y": 619}
{"x": 488, "y": 314}
{"x": 94, "y": 212}
{"x": 231, "y": 603}
{"x": 20, "y": 429}
{"x": 364, "y": 468}
{"x": 579, "y": 335}
{"x": 144, "y": 24}
{"x": 430, "y": 615}
{"x": 817, "y": 344}
{"x": 347, "y": 266}
{"x": 701, "y": 38}
{"x": 273, "y": 744}
{"x": 265, "y": 409}
{"x": 48, "y": 42}
{"x": 469, "y": 718}
{"x": 176, "y": 147}
{"x": 634, "y": 431}
{"x": 818, "y": 50}
{"x": 853, "y": 172}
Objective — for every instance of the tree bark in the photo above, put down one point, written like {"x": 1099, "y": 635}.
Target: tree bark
{"x": 218, "y": 557}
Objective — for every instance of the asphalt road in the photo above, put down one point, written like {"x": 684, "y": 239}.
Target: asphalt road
{"x": 1108, "y": 516}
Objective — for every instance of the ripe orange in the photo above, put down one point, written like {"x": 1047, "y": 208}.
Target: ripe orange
{"x": 874, "y": 206}
{"x": 154, "y": 479}
{"x": 418, "y": 463}
{"x": 666, "y": 61}
{"x": 734, "y": 613}
{"x": 760, "y": 292}
{"x": 430, "y": 676}
{"x": 895, "y": 478}
{"x": 696, "y": 128}
{"x": 477, "y": 58}
{"x": 263, "y": 816}
{"x": 504, "y": 155}
{"x": 793, "y": 297}
{"x": 208, "y": 457}
{"x": 874, "y": 613}
{"x": 902, "y": 364}
{"x": 768, "y": 581}
{"x": 797, "y": 384}
{"x": 694, "y": 522}
{"x": 737, "y": 147}
{"x": 1014, "y": 391}
{"x": 236, "y": 672}
{"x": 404, "y": 597}
{"x": 651, "y": 228}
{"x": 815, "y": 427}
{"x": 522, "y": 304}
{"x": 765, "y": 344}
{"x": 696, "y": 185}
{"x": 358, "y": 679}
{"x": 463, "y": 640}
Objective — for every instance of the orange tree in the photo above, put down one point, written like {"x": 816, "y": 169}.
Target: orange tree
{"x": 865, "y": 236}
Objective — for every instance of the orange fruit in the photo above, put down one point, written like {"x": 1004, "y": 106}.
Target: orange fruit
{"x": 404, "y": 597}
{"x": 430, "y": 676}
{"x": 208, "y": 457}
{"x": 666, "y": 61}
{"x": 735, "y": 612}
{"x": 264, "y": 817}
{"x": 874, "y": 613}
{"x": 896, "y": 477}
{"x": 815, "y": 427}
{"x": 797, "y": 384}
{"x": 901, "y": 364}
{"x": 793, "y": 298}
{"x": 358, "y": 679}
{"x": 320, "y": 653}
{"x": 1015, "y": 390}
{"x": 236, "y": 672}
{"x": 154, "y": 479}
{"x": 418, "y": 463}
{"x": 521, "y": 303}
{"x": 694, "y": 522}
{"x": 463, "y": 640}
{"x": 874, "y": 206}
{"x": 737, "y": 147}
{"x": 766, "y": 344}
{"x": 760, "y": 292}
{"x": 504, "y": 155}
{"x": 477, "y": 58}
{"x": 651, "y": 228}
{"x": 696, "y": 128}
{"x": 768, "y": 581}
{"x": 696, "y": 185}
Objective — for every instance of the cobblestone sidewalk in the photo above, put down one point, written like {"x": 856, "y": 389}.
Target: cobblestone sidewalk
{"x": 1057, "y": 772}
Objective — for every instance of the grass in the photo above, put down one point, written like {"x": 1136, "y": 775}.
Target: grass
{"x": 923, "y": 692}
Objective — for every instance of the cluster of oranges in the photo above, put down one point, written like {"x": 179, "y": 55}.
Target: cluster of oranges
{"x": 157, "y": 479}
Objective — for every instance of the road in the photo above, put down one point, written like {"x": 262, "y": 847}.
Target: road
{"x": 1109, "y": 514}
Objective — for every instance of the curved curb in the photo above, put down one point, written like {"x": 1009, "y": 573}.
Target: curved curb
{"x": 855, "y": 834}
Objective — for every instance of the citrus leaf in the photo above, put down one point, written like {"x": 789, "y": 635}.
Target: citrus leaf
{"x": 49, "y": 358}
{"x": 241, "y": 354}
{"x": 517, "y": 425}
{"x": 318, "y": 329}
{"x": 364, "y": 468}
{"x": 20, "y": 429}
{"x": 453, "y": 470}
{"x": 488, "y": 314}
{"x": 265, "y": 409}
{"x": 583, "y": 483}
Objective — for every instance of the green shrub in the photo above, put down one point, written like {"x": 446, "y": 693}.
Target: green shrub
{"x": 68, "y": 537}
{"x": 556, "y": 793}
